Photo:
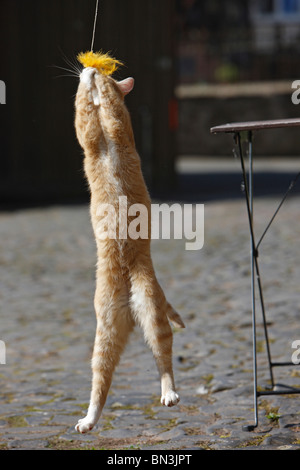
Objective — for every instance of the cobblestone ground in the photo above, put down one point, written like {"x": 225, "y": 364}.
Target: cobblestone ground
{"x": 47, "y": 259}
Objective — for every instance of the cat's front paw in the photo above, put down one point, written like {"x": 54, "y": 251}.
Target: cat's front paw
{"x": 84, "y": 425}
{"x": 171, "y": 398}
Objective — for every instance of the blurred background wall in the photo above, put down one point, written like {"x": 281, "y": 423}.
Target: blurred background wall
{"x": 40, "y": 157}
{"x": 236, "y": 62}
{"x": 197, "y": 63}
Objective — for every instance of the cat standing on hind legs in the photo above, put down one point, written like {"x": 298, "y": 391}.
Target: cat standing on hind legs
{"x": 127, "y": 291}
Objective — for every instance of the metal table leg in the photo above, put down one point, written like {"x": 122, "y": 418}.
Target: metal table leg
{"x": 255, "y": 276}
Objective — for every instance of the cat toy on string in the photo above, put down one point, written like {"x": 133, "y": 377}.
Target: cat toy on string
{"x": 103, "y": 62}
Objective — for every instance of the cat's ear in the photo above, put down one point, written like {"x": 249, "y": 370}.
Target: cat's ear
{"x": 126, "y": 85}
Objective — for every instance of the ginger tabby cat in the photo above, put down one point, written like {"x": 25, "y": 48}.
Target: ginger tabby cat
{"x": 127, "y": 291}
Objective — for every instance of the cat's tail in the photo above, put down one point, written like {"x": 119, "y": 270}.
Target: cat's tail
{"x": 174, "y": 317}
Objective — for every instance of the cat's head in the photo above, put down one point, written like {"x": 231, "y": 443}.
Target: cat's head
{"x": 96, "y": 83}
{"x": 100, "y": 106}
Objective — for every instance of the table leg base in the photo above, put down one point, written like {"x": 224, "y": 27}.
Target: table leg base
{"x": 249, "y": 427}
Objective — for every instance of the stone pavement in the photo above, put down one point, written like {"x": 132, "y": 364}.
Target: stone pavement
{"x": 47, "y": 259}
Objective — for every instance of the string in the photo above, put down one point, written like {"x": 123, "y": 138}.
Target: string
{"x": 95, "y": 21}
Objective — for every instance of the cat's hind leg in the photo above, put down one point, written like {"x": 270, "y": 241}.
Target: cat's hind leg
{"x": 114, "y": 324}
{"x": 150, "y": 309}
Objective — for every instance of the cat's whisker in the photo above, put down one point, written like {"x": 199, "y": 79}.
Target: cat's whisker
{"x": 66, "y": 75}
{"x": 74, "y": 66}
{"x": 65, "y": 58}
{"x": 75, "y": 72}
{"x": 71, "y": 73}
{"x": 73, "y": 63}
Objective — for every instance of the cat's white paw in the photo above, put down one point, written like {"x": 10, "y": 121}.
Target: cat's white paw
{"x": 84, "y": 425}
{"x": 170, "y": 398}
{"x": 87, "y": 76}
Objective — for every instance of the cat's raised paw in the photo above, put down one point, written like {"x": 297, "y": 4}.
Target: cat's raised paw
{"x": 170, "y": 398}
{"x": 84, "y": 425}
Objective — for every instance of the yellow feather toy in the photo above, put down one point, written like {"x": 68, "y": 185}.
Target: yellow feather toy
{"x": 101, "y": 61}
